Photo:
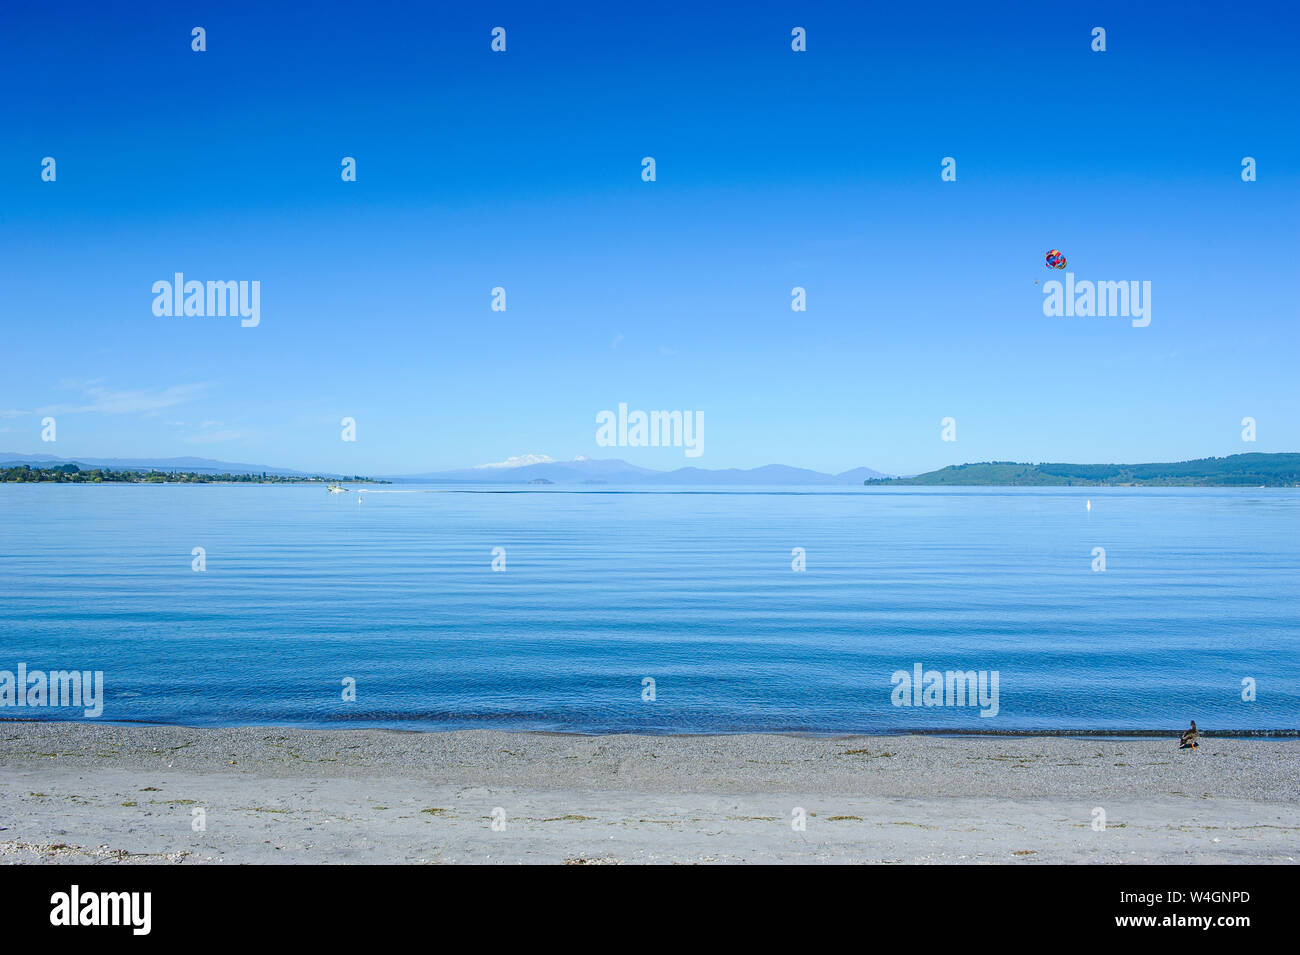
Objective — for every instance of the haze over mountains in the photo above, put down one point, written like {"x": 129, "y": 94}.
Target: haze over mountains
{"x": 578, "y": 471}
{"x": 1236, "y": 470}
{"x": 616, "y": 471}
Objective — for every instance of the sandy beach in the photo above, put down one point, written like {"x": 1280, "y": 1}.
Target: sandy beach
{"x": 76, "y": 792}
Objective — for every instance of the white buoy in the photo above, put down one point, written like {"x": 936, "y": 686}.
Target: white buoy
{"x": 1090, "y": 505}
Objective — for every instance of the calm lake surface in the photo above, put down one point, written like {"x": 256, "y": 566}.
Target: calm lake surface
{"x": 694, "y": 589}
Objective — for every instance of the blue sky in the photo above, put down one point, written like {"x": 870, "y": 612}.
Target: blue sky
{"x": 522, "y": 170}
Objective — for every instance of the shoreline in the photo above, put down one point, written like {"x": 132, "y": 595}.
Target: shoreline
{"x": 79, "y": 792}
{"x": 647, "y": 487}
{"x": 959, "y": 733}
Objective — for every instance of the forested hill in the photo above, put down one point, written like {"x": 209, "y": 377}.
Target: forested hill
{"x": 1237, "y": 470}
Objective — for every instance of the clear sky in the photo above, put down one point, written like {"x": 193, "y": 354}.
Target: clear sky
{"x": 522, "y": 169}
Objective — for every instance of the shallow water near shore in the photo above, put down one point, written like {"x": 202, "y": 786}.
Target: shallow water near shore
{"x": 694, "y": 589}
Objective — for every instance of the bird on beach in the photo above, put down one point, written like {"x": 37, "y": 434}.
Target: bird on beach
{"x": 1189, "y": 737}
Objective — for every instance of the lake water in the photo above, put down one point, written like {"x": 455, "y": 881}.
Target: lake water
{"x": 692, "y": 589}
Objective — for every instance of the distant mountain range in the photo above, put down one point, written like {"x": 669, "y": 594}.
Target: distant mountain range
{"x": 1236, "y": 470}
{"x": 579, "y": 471}
{"x": 615, "y": 471}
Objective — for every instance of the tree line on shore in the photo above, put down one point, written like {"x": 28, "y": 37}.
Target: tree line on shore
{"x": 1235, "y": 470}
{"x": 73, "y": 474}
